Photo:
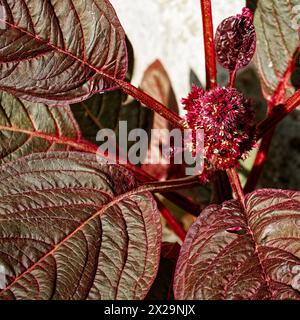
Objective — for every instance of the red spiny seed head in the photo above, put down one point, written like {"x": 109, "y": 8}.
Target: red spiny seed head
{"x": 227, "y": 118}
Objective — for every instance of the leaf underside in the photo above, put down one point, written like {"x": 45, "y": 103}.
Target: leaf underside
{"x": 71, "y": 230}
{"x": 277, "y": 41}
{"x": 71, "y": 49}
{"x": 259, "y": 261}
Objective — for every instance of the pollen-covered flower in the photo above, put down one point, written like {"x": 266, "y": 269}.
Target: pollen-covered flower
{"x": 226, "y": 117}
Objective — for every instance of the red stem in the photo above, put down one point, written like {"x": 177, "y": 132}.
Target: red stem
{"x": 236, "y": 186}
{"x": 209, "y": 45}
{"x": 221, "y": 188}
{"x": 86, "y": 146}
{"x": 184, "y": 203}
{"x": 279, "y": 113}
{"x": 232, "y": 76}
{"x": 175, "y": 226}
{"x": 153, "y": 104}
{"x": 262, "y": 154}
{"x": 167, "y": 186}
{"x": 211, "y": 70}
{"x": 259, "y": 163}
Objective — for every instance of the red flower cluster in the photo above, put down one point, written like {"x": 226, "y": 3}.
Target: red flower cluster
{"x": 227, "y": 120}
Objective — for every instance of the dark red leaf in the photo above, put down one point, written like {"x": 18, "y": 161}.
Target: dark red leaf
{"x": 236, "y": 41}
{"x": 261, "y": 263}
{"x": 28, "y": 127}
{"x": 73, "y": 228}
{"x": 63, "y": 51}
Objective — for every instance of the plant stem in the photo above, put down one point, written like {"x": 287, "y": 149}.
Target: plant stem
{"x": 82, "y": 145}
{"x": 236, "y": 185}
{"x": 184, "y": 203}
{"x": 279, "y": 113}
{"x": 167, "y": 186}
{"x": 259, "y": 163}
{"x": 221, "y": 188}
{"x": 209, "y": 45}
{"x": 175, "y": 184}
{"x": 153, "y": 104}
{"x": 232, "y": 76}
{"x": 174, "y": 225}
{"x": 211, "y": 75}
{"x": 262, "y": 154}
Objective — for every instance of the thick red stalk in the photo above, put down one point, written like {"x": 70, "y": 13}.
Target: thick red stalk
{"x": 259, "y": 163}
{"x": 86, "y": 146}
{"x": 279, "y": 113}
{"x": 175, "y": 184}
{"x": 167, "y": 186}
{"x": 209, "y": 45}
{"x": 153, "y": 104}
{"x": 232, "y": 76}
{"x": 262, "y": 154}
{"x": 236, "y": 185}
{"x": 222, "y": 188}
{"x": 211, "y": 70}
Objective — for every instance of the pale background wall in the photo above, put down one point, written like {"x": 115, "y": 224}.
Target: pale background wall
{"x": 170, "y": 30}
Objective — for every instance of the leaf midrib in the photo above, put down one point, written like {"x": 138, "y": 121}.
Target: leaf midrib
{"x": 58, "y": 49}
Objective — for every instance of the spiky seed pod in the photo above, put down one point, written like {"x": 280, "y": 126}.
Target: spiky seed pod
{"x": 227, "y": 118}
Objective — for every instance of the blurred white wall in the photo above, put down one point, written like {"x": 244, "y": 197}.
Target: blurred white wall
{"x": 170, "y": 30}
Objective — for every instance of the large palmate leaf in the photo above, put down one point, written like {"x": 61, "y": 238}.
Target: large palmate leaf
{"x": 231, "y": 254}
{"x": 64, "y": 51}
{"x": 277, "y": 41}
{"x": 72, "y": 228}
{"x": 27, "y": 127}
